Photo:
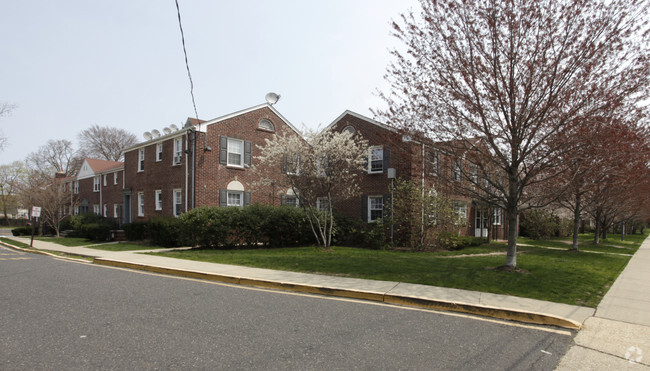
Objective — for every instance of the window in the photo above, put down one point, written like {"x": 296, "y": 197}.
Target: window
{"x": 266, "y": 124}
{"x": 158, "y": 199}
{"x": 96, "y": 209}
{"x": 105, "y": 180}
{"x": 235, "y": 198}
{"x": 434, "y": 163}
{"x": 159, "y": 148}
{"x": 178, "y": 150}
{"x": 76, "y": 187}
{"x": 497, "y": 217}
{"x": 178, "y": 202}
{"x": 456, "y": 171}
{"x": 376, "y": 163}
{"x": 375, "y": 208}
{"x": 140, "y": 203}
{"x": 322, "y": 204}
{"x": 96, "y": 184}
{"x": 115, "y": 210}
{"x": 350, "y": 129}
{"x": 105, "y": 211}
{"x": 115, "y": 177}
{"x": 291, "y": 164}
{"x": 460, "y": 207}
{"x": 290, "y": 201}
{"x": 322, "y": 167}
{"x": 473, "y": 173}
{"x": 141, "y": 160}
{"x": 235, "y": 152}
{"x": 76, "y": 210}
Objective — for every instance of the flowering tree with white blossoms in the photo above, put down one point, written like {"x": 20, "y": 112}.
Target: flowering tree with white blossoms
{"x": 320, "y": 168}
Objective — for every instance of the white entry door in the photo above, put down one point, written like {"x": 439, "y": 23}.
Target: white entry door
{"x": 480, "y": 223}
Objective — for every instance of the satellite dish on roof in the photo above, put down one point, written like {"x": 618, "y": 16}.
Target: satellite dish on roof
{"x": 155, "y": 133}
{"x": 173, "y": 127}
{"x": 147, "y": 135}
{"x": 271, "y": 98}
{"x": 167, "y": 131}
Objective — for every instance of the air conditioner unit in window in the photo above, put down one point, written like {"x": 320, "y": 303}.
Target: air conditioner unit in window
{"x": 178, "y": 159}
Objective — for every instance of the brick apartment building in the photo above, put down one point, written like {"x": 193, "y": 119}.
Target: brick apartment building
{"x": 212, "y": 163}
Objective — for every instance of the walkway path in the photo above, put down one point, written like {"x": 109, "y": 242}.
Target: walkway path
{"x": 618, "y": 336}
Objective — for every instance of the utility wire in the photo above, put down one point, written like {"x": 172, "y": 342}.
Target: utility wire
{"x": 187, "y": 65}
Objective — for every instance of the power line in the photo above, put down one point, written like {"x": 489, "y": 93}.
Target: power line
{"x": 187, "y": 65}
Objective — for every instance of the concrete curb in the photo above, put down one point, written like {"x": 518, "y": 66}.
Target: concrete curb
{"x": 21, "y": 249}
{"x": 384, "y": 297}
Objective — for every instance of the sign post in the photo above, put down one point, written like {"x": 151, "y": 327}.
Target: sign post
{"x": 36, "y": 213}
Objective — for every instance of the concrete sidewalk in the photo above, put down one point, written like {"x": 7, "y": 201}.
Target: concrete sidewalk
{"x": 473, "y": 302}
{"x": 618, "y": 336}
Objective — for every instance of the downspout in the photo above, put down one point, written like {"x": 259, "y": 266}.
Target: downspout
{"x": 187, "y": 145}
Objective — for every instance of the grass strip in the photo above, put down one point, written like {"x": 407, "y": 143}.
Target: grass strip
{"x": 557, "y": 276}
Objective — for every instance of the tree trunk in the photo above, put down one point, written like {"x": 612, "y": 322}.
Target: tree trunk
{"x": 511, "y": 256}
{"x": 597, "y": 230}
{"x": 576, "y": 223}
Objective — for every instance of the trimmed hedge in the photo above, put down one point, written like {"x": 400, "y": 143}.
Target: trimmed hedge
{"x": 22, "y": 231}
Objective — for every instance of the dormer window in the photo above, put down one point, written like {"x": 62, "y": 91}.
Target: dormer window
{"x": 266, "y": 124}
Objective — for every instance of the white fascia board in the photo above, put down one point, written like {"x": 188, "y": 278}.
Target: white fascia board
{"x": 85, "y": 174}
{"x": 251, "y": 109}
{"x": 361, "y": 117}
{"x": 160, "y": 139}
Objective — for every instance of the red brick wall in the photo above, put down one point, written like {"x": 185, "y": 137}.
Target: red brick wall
{"x": 211, "y": 176}
{"x": 157, "y": 175}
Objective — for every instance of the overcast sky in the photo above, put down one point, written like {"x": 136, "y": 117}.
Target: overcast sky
{"x": 70, "y": 64}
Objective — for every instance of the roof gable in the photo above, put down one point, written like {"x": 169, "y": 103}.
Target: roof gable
{"x": 92, "y": 167}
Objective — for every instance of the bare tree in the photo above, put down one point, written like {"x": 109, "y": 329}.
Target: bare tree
{"x": 10, "y": 178}
{"x": 5, "y": 109}
{"x": 320, "y": 170}
{"x": 57, "y": 156}
{"x": 51, "y": 194}
{"x": 105, "y": 142}
{"x": 519, "y": 74}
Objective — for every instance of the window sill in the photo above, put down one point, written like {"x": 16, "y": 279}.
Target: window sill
{"x": 265, "y": 130}
{"x": 375, "y": 172}
{"x": 235, "y": 167}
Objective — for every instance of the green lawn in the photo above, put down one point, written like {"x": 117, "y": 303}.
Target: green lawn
{"x": 66, "y": 241}
{"x": 558, "y": 276}
{"x": 14, "y": 242}
{"x": 612, "y": 244}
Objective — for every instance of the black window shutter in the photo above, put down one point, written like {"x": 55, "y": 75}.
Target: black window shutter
{"x": 364, "y": 208}
{"x": 247, "y": 198}
{"x": 223, "y": 198}
{"x": 386, "y": 158}
{"x": 248, "y": 151}
{"x": 223, "y": 150}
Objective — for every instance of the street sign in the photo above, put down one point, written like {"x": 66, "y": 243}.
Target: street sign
{"x": 36, "y": 211}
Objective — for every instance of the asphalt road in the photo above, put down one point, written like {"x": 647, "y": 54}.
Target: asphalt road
{"x": 57, "y": 314}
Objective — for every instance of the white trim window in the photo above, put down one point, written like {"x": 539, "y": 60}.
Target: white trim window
{"x": 115, "y": 178}
{"x": 322, "y": 204}
{"x": 105, "y": 210}
{"x": 96, "y": 184}
{"x": 290, "y": 200}
{"x": 140, "y": 203}
{"x": 376, "y": 160}
{"x": 266, "y": 124}
{"x": 460, "y": 207}
{"x": 235, "y": 198}
{"x": 497, "y": 217}
{"x": 159, "y": 152}
{"x": 178, "y": 202}
{"x": 235, "y": 152}
{"x": 141, "y": 159}
{"x": 158, "y": 199}
{"x": 96, "y": 209}
{"x": 115, "y": 210}
{"x": 105, "y": 180}
{"x": 375, "y": 208}
{"x": 76, "y": 187}
{"x": 178, "y": 151}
